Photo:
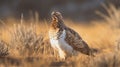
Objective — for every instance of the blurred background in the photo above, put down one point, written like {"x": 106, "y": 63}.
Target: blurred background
{"x": 24, "y": 26}
{"x": 77, "y": 10}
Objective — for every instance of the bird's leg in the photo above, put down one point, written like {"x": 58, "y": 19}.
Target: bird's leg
{"x": 62, "y": 54}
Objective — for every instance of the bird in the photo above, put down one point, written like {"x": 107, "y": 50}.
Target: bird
{"x": 65, "y": 40}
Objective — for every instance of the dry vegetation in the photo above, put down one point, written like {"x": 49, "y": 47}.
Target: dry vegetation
{"x": 26, "y": 43}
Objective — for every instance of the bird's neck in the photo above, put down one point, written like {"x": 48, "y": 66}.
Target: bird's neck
{"x": 58, "y": 24}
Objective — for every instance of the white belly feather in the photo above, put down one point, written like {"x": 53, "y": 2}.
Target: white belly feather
{"x": 60, "y": 44}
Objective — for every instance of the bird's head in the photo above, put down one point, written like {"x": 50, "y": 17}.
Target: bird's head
{"x": 56, "y": 16}
{"x": 57, "y": 20}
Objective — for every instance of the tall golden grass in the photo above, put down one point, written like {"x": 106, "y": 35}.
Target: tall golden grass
{"x": 26, "y": 43}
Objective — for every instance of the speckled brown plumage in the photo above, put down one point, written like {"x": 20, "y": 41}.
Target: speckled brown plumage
{"x": 72, "y": 38}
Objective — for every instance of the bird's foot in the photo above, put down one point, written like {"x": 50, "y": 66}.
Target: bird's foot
{"x": 62, "y": 55}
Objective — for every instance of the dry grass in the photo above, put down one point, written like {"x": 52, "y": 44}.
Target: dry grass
{"x": 26, "y": 44}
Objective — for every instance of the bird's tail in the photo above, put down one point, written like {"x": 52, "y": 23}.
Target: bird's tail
{"x": 94, "y": 51}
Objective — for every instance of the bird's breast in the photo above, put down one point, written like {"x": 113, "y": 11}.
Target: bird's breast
{"x": 58, "y": 42}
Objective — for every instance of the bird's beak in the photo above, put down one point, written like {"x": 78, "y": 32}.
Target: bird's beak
{"x": 54, "y": 18}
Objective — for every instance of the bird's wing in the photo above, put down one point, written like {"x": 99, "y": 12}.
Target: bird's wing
{"x": 74, "y": 40}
